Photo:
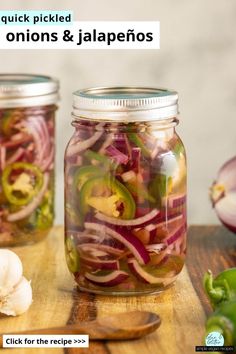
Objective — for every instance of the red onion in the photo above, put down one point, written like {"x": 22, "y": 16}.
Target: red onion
{"x": 84, "y": 145}
{"x": 92, "y": 251}
{"x": 2, "y": 157}
{"x": 16, "y": 156}
{"x": 226, "y": 211}
{"x": 175, "y": 201}
{"x": 112, "y": 279}
{"x": 108, "y": 141}
{"x": 175, "y": 235}
{"x": 43, "y": 145}
{"x": 28, "y": 209}
{"x": 97, "y": 263}
{"x": 168, "y": 226}
{"x": 135, "y": 158}
{"x": 130, "y": 241}
{"x": 102, "y": 247}
{"x": 117, "y": 155}
{"x": 223, "y": 194}
{"x": 133, "y": 222}
{"x": 156, "y": 247}
{"x": 147, "y": 278}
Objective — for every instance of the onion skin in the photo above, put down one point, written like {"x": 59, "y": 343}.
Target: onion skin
{"x": 223, "y": 194}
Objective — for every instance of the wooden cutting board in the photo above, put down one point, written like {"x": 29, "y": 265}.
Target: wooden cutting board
{"x": 182, "y": 308}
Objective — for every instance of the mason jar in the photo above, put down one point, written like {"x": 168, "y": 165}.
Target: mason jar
{"x": 27, "y": 148}
{"x": 125, "y": 191}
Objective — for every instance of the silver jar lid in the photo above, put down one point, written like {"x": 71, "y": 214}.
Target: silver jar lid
{"x": 25, "y": 90}
{"x": 125, "y": 104}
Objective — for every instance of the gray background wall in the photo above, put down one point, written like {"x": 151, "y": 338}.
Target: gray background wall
{"x": 197, "y": 58}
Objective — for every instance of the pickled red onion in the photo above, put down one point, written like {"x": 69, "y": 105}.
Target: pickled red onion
{"x": 130, "y": 241}
{"x": 101, "y": 247}
{"x": 133, "y": 222}
{"x": 100, "y": 264}
{"x": 43, "y": 144}
{"x": 2, "y": 157}
{"x": 117, "y": 155}
{"x": 16, "y": 156}
{"x": 86, "y": 144}
{"x": 112, "y": 279}
{"x": 175, "y": 235}
{"x": 146, "y": 277}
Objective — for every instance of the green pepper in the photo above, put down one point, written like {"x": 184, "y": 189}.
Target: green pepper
{"x": 138, "y": 142}
{"x": 82, "y": 174}
{"x": 160, "y": 187}
{"x": 95, "y": 156}
{"x": 223, "y": 321}
{"x": 107, "y": 195}
{"x": 80, "y": 177}
{"x": 45, "y": 212}
{"x": 140, "y": 191}
{"x": 72, "y": 255}
{"x": 26, "y": 185}
{"x": 222, "y": 288}
{"x": 73, "y": 218}
{"x": 8, "y": 122}
{"x": 178, "y": 148}
{"x": 41, "y": 218}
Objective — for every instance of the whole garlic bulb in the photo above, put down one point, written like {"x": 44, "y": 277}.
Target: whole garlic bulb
{"x": 11, "y": 271}
{"x": 18, "y": 301}
{"x": 15, "y": 290}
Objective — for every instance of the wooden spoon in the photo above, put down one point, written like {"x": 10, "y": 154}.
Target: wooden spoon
{"x": 121, "y": 326}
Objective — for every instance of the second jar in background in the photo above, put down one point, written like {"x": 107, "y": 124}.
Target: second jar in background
{"x": 27, "y": 148}
{"x": 125, "y": 191}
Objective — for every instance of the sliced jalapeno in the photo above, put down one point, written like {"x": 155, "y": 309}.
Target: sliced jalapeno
{"x": 107, "y": 195}
{"x": 72, "y": 256}
{"x": 28, "y": 180}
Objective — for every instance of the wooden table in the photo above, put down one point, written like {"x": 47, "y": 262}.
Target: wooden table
{"x": 182, "y": 308}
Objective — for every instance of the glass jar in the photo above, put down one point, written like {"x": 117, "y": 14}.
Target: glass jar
{"x": 27, "y": 111}
{"x": 125, "y": 191}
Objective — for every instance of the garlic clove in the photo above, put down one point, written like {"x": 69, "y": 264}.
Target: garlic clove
{"x": 11, "y": 271}
{"x": 19, "y": 300}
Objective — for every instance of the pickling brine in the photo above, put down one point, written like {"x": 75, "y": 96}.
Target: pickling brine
{"x": 27, "y": 150}
{"x": 125, "y": 198}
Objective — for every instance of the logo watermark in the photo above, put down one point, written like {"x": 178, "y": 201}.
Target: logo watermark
{"x": 214, "y": 342}
{"x": 214, "y": 339}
